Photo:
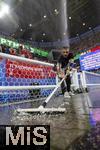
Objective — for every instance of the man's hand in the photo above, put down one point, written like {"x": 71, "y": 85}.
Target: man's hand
{"x": 61, "y": 74}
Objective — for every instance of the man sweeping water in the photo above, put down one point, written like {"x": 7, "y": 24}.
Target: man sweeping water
{"x": 63, "y": 69}
{"x": 63, "y": 66}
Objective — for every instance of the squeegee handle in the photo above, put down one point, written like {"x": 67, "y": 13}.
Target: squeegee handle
{"x": 53, "y": 92}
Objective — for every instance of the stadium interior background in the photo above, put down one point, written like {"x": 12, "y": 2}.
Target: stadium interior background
{"x": 38, "y": 29}
{"x": 44, "y": 27}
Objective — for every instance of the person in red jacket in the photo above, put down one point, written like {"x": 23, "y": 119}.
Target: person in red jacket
{"x": 25, "y": 53}
{"x": 12, "y": 51}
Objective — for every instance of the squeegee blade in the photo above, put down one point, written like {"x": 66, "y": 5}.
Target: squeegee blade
{"x": 42, "y": 110}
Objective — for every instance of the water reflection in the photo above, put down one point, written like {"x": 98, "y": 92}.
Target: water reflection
{"x": 64, "y": 128}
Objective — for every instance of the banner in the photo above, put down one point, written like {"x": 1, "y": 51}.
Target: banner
{"x": 14, "y": 44}
{"x": 24, "y": 70}
{"x": 90, "y": 61}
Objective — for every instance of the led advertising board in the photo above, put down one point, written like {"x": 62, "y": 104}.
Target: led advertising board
{"x": 90, "y": 61}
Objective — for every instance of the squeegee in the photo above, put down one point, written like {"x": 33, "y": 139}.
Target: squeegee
{"x": 41, "y": 108}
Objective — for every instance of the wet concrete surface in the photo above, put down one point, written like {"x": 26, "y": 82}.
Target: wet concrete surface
{"x": 64, "y": 128}
{"x": 94, "y": 95}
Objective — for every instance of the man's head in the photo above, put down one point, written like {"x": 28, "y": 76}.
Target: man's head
{"x": 65, "y": 51}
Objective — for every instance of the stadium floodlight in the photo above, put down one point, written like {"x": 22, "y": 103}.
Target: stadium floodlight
{"x": 4, "y": 10}
{"x": 1, "y": 14}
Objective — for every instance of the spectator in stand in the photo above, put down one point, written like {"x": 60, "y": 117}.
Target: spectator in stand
{"x": 0, "y": 48}
{"x": 25, "y": 53}
{"x": 20, "y": 52}
{"x": 3, "y": 48}
{"x": 29, "y": 54}
{"x": 20, "y": 49}
{"x": 7, "y": 50}
{"x": 86, "y": 43}
{"x": 12, "y": 51}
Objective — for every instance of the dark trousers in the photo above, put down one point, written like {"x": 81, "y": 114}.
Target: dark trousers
{"x": 66, "y": 87}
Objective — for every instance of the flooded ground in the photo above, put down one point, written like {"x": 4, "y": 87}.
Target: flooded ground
{"x": 64, "y": 128}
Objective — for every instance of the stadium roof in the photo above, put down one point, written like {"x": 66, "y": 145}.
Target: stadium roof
{"x": 85, "y": 15}
{"x": 46, "y": 20}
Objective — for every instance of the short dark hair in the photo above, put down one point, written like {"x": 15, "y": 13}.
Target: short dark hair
{"x": 65, "y": 47}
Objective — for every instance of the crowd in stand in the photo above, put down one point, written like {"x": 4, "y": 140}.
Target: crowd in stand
{"x": 21, "y": 51}
{"x": 77, "y": 47}
{"x": 18, "y": 52}
{"x": 86, "y": 43}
